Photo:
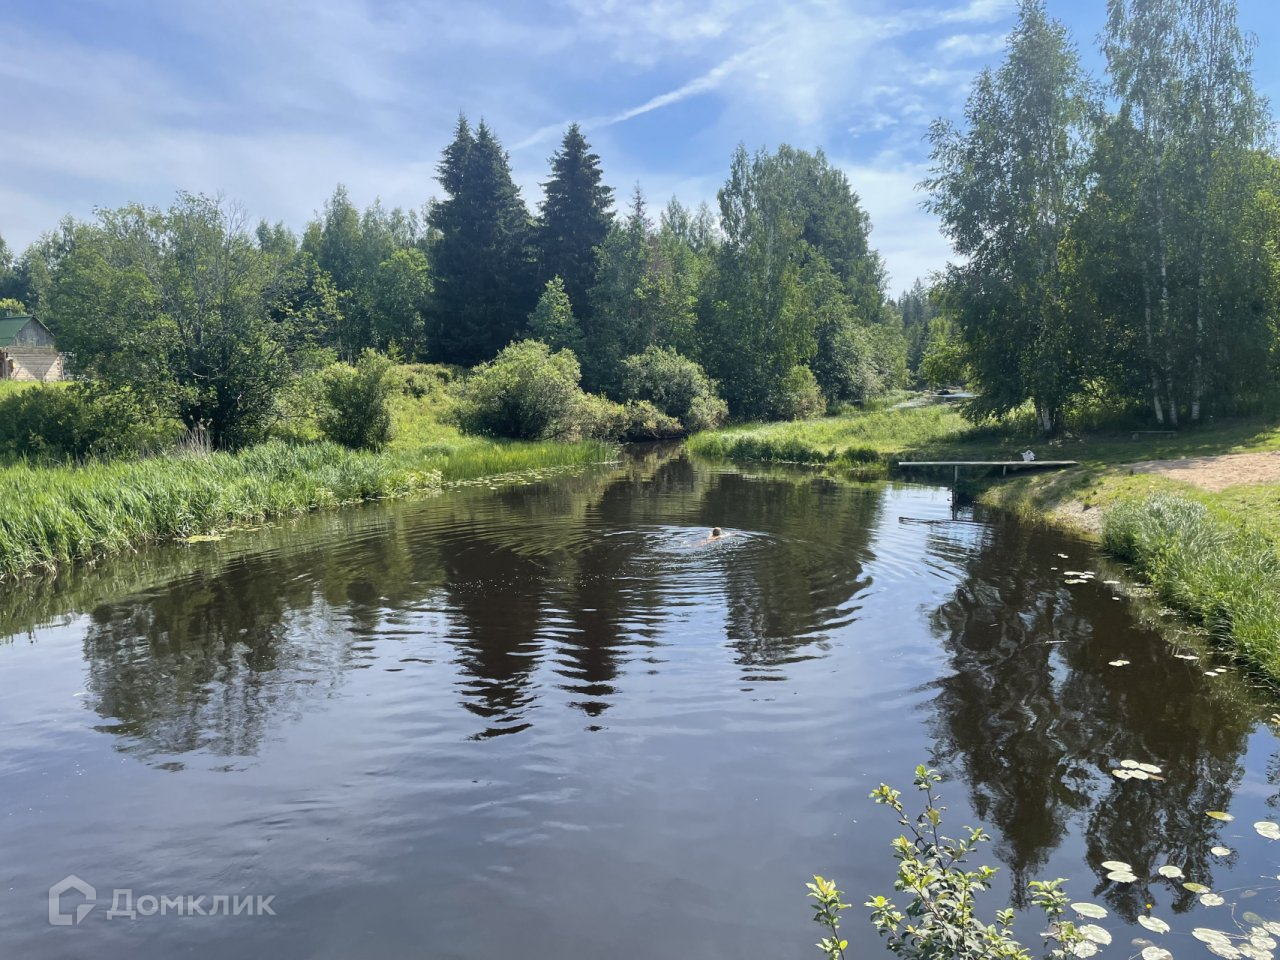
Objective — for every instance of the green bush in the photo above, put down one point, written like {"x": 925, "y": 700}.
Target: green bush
{"x": 356, "y": 412}
{"x": 527, "y": 393}
{"x": 799, "y": 397}
{"x": 675, "y": 386}
{"x": 75, "y": 422}
{"x": 644, "y": 421}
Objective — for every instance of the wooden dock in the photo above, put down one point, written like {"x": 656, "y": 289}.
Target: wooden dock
{"x": 1004, "y": 465}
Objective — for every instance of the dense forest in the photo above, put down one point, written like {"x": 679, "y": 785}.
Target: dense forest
{"x": 1116, "y": 243}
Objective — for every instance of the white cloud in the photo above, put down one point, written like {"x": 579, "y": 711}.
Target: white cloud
{"x": 281, "y": 101}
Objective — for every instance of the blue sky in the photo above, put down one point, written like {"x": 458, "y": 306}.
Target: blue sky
{"x": 273, "y": 102}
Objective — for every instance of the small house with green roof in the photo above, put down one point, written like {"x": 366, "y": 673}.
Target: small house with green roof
{"x": 27, "y": 350}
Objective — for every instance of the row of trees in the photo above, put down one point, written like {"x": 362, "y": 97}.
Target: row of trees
{"x": 1125, "y": 252}
{"x": 778, "y": 297}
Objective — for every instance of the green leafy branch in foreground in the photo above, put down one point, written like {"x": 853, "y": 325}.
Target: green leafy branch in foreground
{"x": 941, "y": 921}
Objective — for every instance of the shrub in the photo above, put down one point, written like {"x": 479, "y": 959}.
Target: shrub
{"x": 941, "y": 920}
{"x": 78, "y": 421}
{"x": 798, "y": 396}
{"x": 526, "y": 392}
{"x": 356, "y": 411}
{"x": 676, "y": 386}
{"x": 644, "y": 421}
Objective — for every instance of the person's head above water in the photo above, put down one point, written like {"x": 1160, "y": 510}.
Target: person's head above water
{"x": 716, "y": 532}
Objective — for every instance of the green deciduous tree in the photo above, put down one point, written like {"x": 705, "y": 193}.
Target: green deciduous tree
{"x": 174, "y": 305}
{"x": 1006, "y": 188}
{"x": 401, "y": 300}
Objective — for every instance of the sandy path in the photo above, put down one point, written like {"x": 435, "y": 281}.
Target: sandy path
{"x": 1217, "y": 473}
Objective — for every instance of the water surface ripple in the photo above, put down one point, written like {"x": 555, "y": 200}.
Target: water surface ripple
{"x": 555, "y": 720}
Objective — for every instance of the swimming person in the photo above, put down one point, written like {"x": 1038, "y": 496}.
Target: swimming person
{"x": 716, "y": 533}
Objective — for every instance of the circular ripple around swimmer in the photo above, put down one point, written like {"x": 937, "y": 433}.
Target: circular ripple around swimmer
{"x": 691, "y": 563}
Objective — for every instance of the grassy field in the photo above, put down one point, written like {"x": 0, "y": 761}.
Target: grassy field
{"x": 1215, "y": 555}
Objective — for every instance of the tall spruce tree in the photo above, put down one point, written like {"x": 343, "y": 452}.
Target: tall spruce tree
{"x": 575, "y": 219}
{"x": 483, "y": 279}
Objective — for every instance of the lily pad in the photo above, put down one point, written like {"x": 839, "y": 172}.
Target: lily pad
{"x": 1156, "y": 953}
{"x": 1090, "y": 910}
{"x": 1186, "y": 656}
{"x": 1122, "y": 876}
{"x": 1212, "y": 899}
{"x": 1122, "y": 774}
{"x": 1195, "y": 887}
{"x": 1129, "y": 764}
{"x": 1118, "y": 663}
{"x": 1091, "y": 931}
{"x": 1219, "y": 815}
{"x": 1221, "y": 851}
{"x": 1254, "y": 953}
{"x": 1115, "y": 865}
{"x": 1224, "y": 950}
{"x": 1154, "y": 924}
{"x": 1084, "y": 949}
{"x": 1263, "y": 942}
{"x": 1209, "y": 935}
{"x": 1268, "y": 828}
{"x": 1149, "y": 768}
{"x": 1170, "y": 871}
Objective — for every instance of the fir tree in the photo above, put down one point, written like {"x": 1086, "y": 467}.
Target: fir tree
{"x": 575, "y": 217}
{"x": 483, "y": 288}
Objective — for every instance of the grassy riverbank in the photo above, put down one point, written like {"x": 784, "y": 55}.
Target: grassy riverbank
{"x": 57, "y": 514}
{"x": 1210, "y": 549}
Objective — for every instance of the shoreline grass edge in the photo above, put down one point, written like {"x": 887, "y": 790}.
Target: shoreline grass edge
{"x": 55, "y": 515}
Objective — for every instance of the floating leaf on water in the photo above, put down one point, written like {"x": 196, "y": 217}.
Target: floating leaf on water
{"x": 1219, "y": 815}
{"x": 1062, "y": 556}
{"x": 1186, "y": 656}
{"x": 1271, "y": 927}
{"x": 1212, "y": 899}
{"x": 1221, "y": 851}
{"x": 1121, "y": 774}
{"x": 1091, "y": 931}
{"x": 1268, "y": 828}
{"x": 1209, "y": 935}
{"x": 1118, "y": 663}
{"x": 1195, "y": 887}
{"x": 1090, "y": 910}
{"x": 1139, "y": 775}
{"x": 1154, "y": 924}
{"x": 1149, "y": 768}
{"x": 1115, "y": 865}
{"x": 1260, "y": 940}
{"x": 1170, "y": 871}
{"x": 1156, "y": 953}
{"x": 1085, "y": 948}
{"x": 1254, "y": 953}
{"x": 1122, "y": 876}
{"x": 1252, "y": 918}
{"x": 1224, "y": 950}
{"x": 1112, "y": 583}
{"x": 1129, "y": 764}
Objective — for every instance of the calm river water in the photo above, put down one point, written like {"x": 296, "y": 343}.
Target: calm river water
{"x": 547, "y": 721}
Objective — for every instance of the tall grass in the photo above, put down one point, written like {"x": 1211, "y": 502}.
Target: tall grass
{"x": 1224, "y": 576}
{"x": 52, "y": 515}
